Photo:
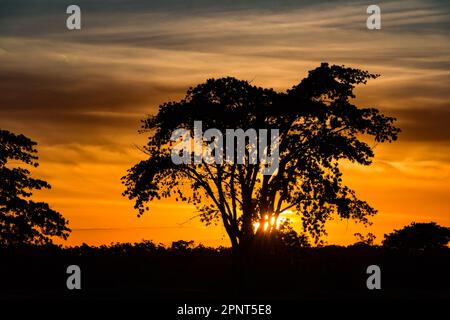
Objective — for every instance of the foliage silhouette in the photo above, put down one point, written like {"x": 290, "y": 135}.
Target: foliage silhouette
{"x": 290, "y": 238}
{"x": 318, "y": 126}
{"x": 182, "y": 245}
{"x": 418, "y": 236}
{"x": 23, "y": 220}
{"x": 364, "y": 240}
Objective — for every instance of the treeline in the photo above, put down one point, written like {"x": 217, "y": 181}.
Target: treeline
{"x": 147, "y": 270}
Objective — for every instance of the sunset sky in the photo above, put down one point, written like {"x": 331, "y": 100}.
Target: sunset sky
{"x": 81, "y": 94}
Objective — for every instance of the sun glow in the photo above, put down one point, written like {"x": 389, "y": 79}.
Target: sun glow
{"x": 268, "y": 223}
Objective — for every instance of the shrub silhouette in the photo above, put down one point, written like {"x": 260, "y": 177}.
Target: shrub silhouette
{"x": 418, "y": 236}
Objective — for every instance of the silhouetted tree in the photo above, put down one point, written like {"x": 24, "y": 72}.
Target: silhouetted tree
{"x": 23, "y": 220}
{"x": 318, "y": 126}
{"x": 418, "y": 236}
{"x": 182, "y": 245}
{"x": 364, "y": 240}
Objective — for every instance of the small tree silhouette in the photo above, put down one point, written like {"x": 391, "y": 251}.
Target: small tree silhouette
{"x": 318, "y": 126}
{"x": 23, "y": 220}
{"x": 364, "y": 241}
{"x": 418, "y": 236}
{"x": 182, "y": 245}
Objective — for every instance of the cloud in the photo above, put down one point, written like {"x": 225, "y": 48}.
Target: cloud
{"x": 425, "y": 124}
{"x": 81, "y": 94}
{"x": 67, "y": 104}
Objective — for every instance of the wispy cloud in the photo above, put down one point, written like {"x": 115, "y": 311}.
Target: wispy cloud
{"x": 81, "y": 94}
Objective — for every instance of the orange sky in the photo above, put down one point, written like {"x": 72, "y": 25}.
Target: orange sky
{"x": 81, "y": 95}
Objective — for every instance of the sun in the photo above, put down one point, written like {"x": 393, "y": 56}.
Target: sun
{"x": 269, "y": 223}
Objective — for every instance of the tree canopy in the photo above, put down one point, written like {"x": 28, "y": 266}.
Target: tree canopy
{"x": 23, "y": 220}
{"x": 318, "y": 127}
{"x": 418, "y": 236}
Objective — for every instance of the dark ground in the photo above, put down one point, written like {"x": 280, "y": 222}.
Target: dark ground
{"x": 146, "y": 269}
{"x": 178, "y": 275}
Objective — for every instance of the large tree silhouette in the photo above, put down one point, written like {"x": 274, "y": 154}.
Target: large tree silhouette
{"x": 318, "y": 126}
{"x": 21, "y": 219}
